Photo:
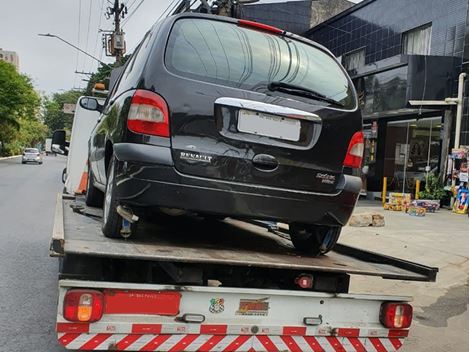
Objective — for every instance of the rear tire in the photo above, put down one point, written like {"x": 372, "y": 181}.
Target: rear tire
{"x": 93, "y": 196}
{"x": 112, "y": 221}
{"x": 313, "y": 240}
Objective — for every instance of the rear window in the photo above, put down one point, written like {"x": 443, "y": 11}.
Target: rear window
{"x": 224, "y": 53}
{"x": 31, "y": 150}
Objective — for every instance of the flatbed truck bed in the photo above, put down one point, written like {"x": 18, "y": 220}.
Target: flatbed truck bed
{"x": 235, "y": 285}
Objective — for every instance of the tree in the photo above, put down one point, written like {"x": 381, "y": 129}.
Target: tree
{"x": 103, "y": 74}
{"x": 53, "y": 114}
{"x": 19, "y": 108}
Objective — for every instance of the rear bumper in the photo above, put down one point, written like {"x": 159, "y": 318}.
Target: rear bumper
{"x": 153, "y": 181}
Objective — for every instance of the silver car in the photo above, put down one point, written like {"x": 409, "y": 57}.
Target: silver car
{"x": 31, "y": 155}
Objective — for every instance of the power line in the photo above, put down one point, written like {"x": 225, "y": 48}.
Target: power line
{"x": 97, "y": 31}
{"x": 78, "y": 39}
{"x": 88, "y": 33}
{"x": 130, "y": 15}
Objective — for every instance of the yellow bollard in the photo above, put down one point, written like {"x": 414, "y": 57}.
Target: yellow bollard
{"x": 418, "y": 184}
{"x": 384, "y": 191}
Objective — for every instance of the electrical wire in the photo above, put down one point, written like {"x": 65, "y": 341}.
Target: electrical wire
{"x": 132, "y": 13}
{"x": 88, "y": 33}
{"x": 78, "y": 40}
{"x": 97, "y": 33}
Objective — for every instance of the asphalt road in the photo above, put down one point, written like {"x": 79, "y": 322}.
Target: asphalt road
{"x": 28, "y": 276}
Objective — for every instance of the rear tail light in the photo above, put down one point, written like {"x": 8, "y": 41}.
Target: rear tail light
{"x": 353, "y": 157}
{"x": 396, "y": 315}
{"x": 83, "y": 305}
{"x": 148, "y": 114}
{"x": 260, "y": 26}
{"x": 304, "y": 281}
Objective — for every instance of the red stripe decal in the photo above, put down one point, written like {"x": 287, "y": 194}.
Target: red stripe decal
{"x": 397, "y": 333}
{"x": 377, "y": 344}
{"x": 313, "y": 343}
{"x": 396, "y": 343}
{"x": 147, "y": 328}
{"x": 153, "y": 344}
{"x": 348, "y": 332}
{"x": 213, "y": 329}
{"x": 95, "y": 342}
{"x": 67, "y": 338}
{"x": 294, "y": 330}
{"x": 267, "y": 343}
{"x": 209, "y": 345}
{"x": 334, "y": 342}
{"x": 357, "y": 344}
{"x": 235, "y": 345}
{"x": 184, "y": 343}
{"x": 291, "y": 344}
{"x": 126, "y": 341}
{"x": 73, "y": 327}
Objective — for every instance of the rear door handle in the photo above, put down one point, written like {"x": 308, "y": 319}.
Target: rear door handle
{"x": 265, "y": 162}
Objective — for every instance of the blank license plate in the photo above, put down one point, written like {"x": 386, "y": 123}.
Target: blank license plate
{"x": 269, "y": 125}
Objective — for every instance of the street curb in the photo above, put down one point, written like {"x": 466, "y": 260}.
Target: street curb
{"x": 9, "y": 157}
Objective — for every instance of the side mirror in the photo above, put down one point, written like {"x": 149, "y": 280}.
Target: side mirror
{"x": 90, "y": 104}
{"x": 59, "y": 143}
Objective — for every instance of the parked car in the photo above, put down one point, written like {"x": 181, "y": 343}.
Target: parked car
{"x": 226, "y": 117}
{"x": 31, "y": 155}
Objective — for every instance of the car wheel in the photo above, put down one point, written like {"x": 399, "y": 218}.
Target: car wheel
{"x": 112, "y": 221}
{"x": 93, "y": 196}
{"x": 313, "y": 240}
{"x": 23, "y": 162}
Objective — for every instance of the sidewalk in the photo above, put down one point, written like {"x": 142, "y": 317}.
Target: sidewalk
{"x": 441, "y": 240}
{"x": 9, "y": 157}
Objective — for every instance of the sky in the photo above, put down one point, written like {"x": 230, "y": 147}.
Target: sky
{"x": 52, "y": 64}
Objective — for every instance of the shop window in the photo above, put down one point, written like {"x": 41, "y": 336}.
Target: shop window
{"x": 354, "y": 60}
{"x": 417, "y": 41}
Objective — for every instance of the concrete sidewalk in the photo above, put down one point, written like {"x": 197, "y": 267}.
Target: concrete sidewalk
{"x": 440, "y": 240}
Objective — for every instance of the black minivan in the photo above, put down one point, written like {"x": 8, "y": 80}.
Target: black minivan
{"x": 226, "y": 117}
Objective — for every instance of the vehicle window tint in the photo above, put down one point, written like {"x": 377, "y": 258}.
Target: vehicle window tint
{"x": 225, "y": 53}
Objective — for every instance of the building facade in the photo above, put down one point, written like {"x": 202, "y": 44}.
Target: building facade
{"x": 397, "y": 51}
{"x": 10, "y": 57}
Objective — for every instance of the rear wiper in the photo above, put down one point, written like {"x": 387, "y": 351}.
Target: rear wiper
{"x": 300, "y": 91}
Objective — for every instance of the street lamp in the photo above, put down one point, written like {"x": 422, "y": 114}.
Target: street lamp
{"x": 73, "y": 46}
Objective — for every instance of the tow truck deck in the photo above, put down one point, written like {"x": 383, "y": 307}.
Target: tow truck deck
{"x": 229, "y": 286}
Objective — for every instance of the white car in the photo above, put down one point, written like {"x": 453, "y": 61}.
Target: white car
{"x": 31, "y": 155}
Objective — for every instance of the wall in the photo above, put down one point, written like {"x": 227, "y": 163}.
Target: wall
{"x": 322, "y": 10}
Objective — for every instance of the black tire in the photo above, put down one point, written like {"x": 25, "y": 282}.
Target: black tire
{"x": 23, "y": 162}
{"x": 93, "y": 196}
{"x": 314, "y": 240}
{"x": 112, "y": 221}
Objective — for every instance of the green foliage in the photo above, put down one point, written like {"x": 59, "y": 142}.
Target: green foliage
{"x": 53, "y": 114}
{"x": 19, "y": 110}
{"x": 434, "y": 190}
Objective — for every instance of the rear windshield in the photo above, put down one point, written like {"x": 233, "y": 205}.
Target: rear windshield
{"x": 227, "y": 54}
{"x": 31, "y": 150}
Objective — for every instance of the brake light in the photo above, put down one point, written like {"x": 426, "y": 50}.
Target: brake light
{"x": 304, "y": 281}
{"x": 396, "y": 315}
{"x": 83, "y": 305}
{"x": 355, "y": 151}
{"x": 148, "y": 114}
{"x": 261, "y": 26}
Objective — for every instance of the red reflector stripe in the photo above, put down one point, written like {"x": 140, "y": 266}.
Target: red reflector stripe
{"x": 95, "y": 342}
{"x": 146, "y": 328}
{"x": 337, "y": 346}
{"x": 397, "y": 333}
{"x": 267, "y": 343}
{"x": 213, "y": 329}
{"x": 67, "y": 338}
{"x": 126, "y": 341}
{"x": 184, "y": 343}
{"x": 294, "y": 330}
{"x": 73, "y": 327}
{"x": 357, "y": 344}
{"x": 396, "y": 343}
{"x": 291, "y": 344}
{"x": 348, "y": 332}
{"x": 239, "y": 341}
{"x": 155, "y": 343}
{"x": 209, "y": 345}
{"x": 313, "y": 343}
{"x": 377, "y": 344}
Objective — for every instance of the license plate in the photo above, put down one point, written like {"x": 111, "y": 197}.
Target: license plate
{"x": 268, "y": 125}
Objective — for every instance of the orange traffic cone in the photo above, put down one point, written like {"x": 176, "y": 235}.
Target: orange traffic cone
{"x": 83, "y": 182}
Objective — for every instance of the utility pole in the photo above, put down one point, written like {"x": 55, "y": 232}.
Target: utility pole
{"x": 115, "y": 41}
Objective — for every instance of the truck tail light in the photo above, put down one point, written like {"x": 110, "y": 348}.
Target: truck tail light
{"x": 304, "y": 281}
{"x": 396, "y": 315}
{"x": 355, "y": 151}
{"x": 148, "y": 114}
{"x": 83, "y": 305}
